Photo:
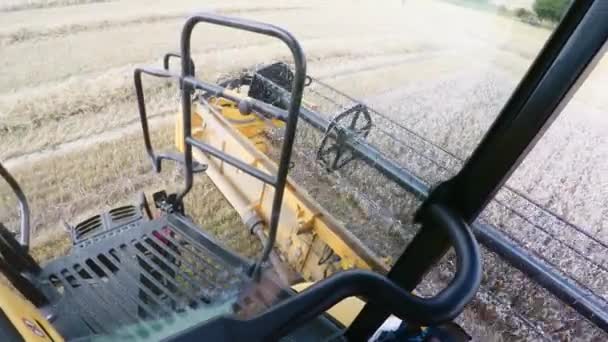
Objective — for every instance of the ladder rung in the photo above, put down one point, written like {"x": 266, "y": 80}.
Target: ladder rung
{"x": 239, "y": 164}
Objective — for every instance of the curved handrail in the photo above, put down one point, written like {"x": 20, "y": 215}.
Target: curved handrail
{"x": 25, "y": 230}
{"x": 143, "y": 116}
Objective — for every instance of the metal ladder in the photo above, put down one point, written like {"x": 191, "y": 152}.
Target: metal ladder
{"x": 189, "y": 83}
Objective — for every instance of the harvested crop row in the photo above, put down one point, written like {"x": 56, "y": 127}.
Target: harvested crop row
{"x": 23, "y": 5}
{"x": 70, "y": 187}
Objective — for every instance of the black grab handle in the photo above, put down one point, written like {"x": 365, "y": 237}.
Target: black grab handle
{"x": 290, "y": 314}
{"x": 167, "y": 59}
{"x": 143, "y": 116}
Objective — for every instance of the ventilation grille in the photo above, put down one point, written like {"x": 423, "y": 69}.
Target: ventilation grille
{"x": 102, "y": 223}
{"x": 122, "y": 214}
{"x": 88, "y": 228}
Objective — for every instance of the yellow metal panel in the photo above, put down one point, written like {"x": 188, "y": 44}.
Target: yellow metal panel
{"x": 26, "y": 318}
{"x": 305, "y": 228}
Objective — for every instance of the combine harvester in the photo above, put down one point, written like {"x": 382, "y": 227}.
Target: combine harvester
{"x": 138, "y": 273}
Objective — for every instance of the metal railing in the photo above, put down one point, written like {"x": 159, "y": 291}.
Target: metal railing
{"x": 189, "y": 83}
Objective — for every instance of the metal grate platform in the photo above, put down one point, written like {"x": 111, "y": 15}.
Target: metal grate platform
{"x": 141, "y": 271}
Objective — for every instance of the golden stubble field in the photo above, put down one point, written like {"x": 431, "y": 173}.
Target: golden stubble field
{"x": 70, "y": 133}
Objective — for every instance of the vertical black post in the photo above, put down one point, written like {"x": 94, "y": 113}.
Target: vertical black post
{"x": 186, "y": 104}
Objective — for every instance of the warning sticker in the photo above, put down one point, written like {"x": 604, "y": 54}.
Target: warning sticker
{"x": 34, "y": 327}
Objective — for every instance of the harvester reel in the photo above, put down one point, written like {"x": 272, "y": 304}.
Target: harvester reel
{"x": 351, "y": 125}
{"x": 272, "y": 84}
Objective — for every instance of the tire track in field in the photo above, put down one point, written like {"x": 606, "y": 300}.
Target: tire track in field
{"x": 36, "y": 108}
{"x": 49, "y": 105}
{"x": 26, "y": 35}
{"x": 84, "y": 143}
{"x": 23, "y": 5}
{"x": 85, "y": 51}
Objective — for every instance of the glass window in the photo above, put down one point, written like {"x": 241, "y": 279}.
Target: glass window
{"x": 436, "y": 72}
{"x": 555, "y": 205}
{"x": 434, "y": 75}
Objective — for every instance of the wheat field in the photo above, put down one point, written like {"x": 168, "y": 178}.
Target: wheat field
{"x": 69, "y": 128}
